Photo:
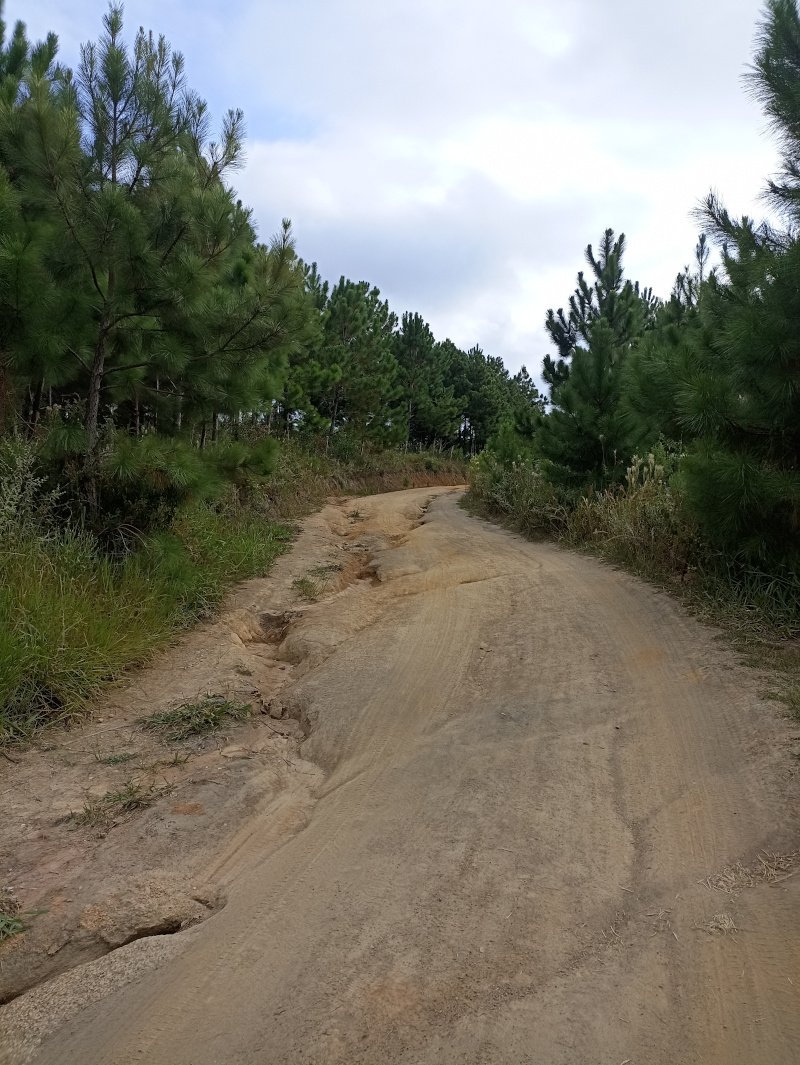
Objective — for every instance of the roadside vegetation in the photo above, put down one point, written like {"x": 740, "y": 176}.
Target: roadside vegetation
{"x": 102, "y": 812}
{"x": 197, "y": 718}
{"x": 670, "y": 442}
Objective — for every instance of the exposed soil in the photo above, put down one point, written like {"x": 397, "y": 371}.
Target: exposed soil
{"x": 496, "y": 803}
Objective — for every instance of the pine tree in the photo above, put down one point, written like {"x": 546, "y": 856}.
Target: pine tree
{"x": 482, "y": 385}
{"x": 739, "y": 394}
{"x": 357, "y": 371}
{"x": 739, "y": 398}
{"x": 31, "y": 306}
{"x": 774, "y": 80}
{"x": 608, "y": 296}
{"x": 526, "y": 404}
{"x": 661, "y": 361}
{"x": 180, "y": 314}
{"x": 306, "y": 376}
{"x": 584, "y": 438}
{"x": 430, "y": 409}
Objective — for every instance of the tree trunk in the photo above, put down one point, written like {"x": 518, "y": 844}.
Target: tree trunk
{"x": 6, "y": 397}
{"x": 214, "y": 421}
{"x": 93, "y": 405}
{"x": 92, "y": 419}
{"x": 332, "y": 428}
{"x": 36, "y": 403}
{"x": 203, "y": 435}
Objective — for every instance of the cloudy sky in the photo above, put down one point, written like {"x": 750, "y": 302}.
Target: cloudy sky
{"x": 460, "y": 154}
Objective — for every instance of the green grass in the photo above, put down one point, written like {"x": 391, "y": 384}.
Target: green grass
{"x": 314, "y": 583}
{"x": 11, "y": 924}
{"x": 307, "y": 473}
{"x": 197, "y": 718}
{"x": 71, "y": 620}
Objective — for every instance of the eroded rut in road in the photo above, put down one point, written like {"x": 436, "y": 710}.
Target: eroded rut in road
{"x": 505, "y": 804}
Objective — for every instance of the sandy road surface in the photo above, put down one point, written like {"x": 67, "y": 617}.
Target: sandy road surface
{"x": 531, "y": 763}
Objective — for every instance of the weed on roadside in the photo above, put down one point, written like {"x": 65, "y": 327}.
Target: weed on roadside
{"x": 10, "y": 925}
{"x": 307, "y": 589}
{"x": 11, "y": 922}
{"x": 119, "y": 758}
{"x": 104, "y": 811}
{"x": 315, "y": 582}
{"x": 196, "y": 718}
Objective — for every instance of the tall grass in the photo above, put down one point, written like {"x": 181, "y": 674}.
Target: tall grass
{"x": 72, "y": 619}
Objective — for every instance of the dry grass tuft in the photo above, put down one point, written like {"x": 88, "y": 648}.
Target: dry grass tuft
{"x": 721, "y": 924}
{"x": 307, "y": 588}
{"x": 766, "y": 869}
{"x": 105, "y": 811}
{"x": 196, "y": 718}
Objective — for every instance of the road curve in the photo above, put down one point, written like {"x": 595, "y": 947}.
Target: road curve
{"x": 540, "y": 777}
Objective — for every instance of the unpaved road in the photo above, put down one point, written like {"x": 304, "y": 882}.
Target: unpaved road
{"x": 532, "y": 763}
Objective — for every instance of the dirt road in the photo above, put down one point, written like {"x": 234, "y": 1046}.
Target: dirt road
{"x": 537, "y": 837}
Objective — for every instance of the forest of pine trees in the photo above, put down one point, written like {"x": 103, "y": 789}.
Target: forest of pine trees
{"x": 151, "y": 346}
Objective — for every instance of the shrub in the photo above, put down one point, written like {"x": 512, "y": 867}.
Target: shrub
{"x": 520, "y": 494}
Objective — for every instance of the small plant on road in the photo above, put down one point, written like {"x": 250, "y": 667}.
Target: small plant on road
{"x": 119, "y": 758}
{"x": 104, "y": 811}
{"x": 11, "y": 923}
{"x": 307, "y": 589}
{"x": 196, "y": 718}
